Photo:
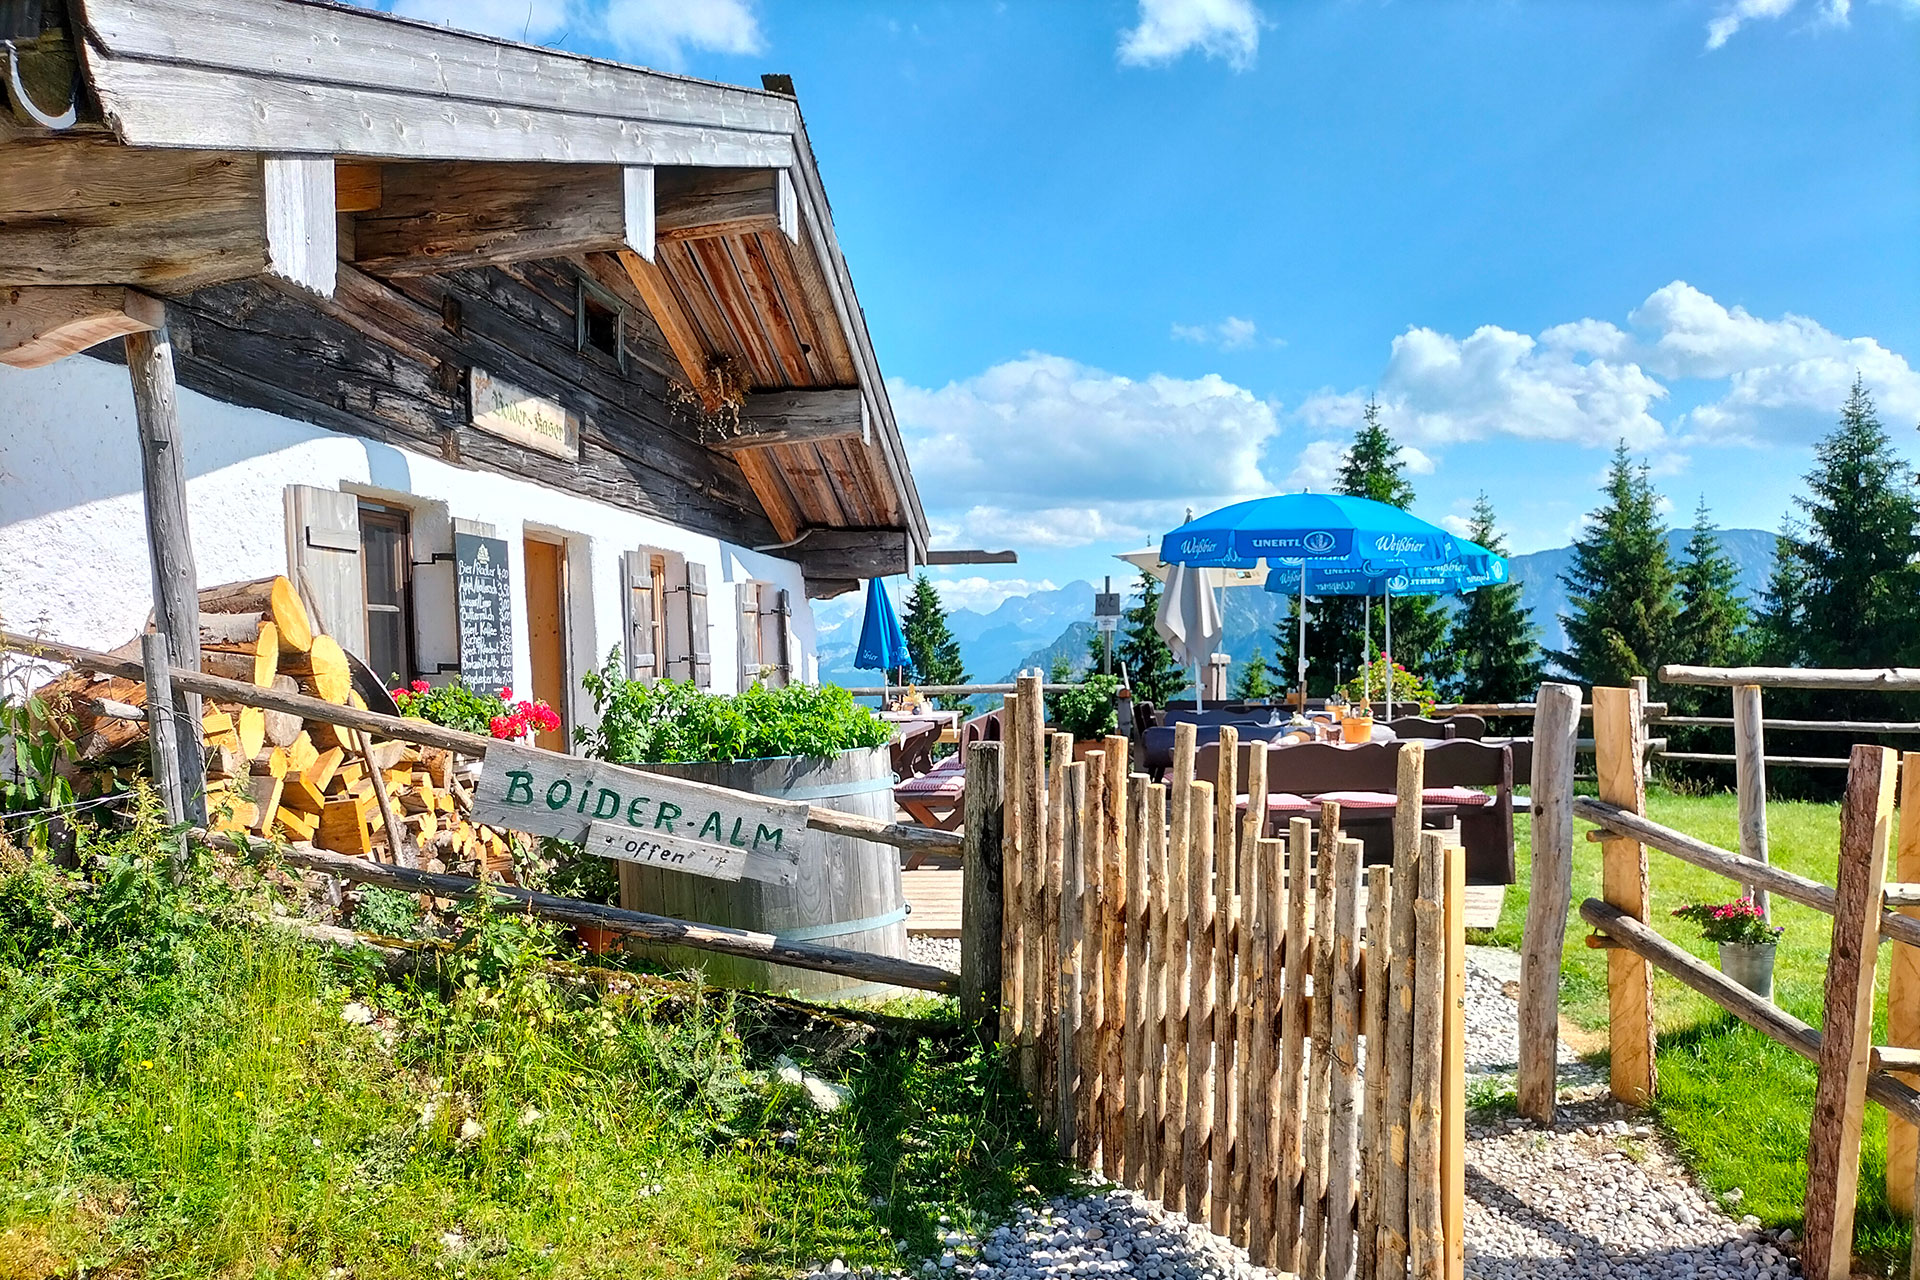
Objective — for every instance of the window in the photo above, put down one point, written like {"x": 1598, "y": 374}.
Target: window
{"x": 666, "y": 608}
{"x": 600, "y": 322}
{"x": 386, "y": 555}
{"x": 765, "y": 642}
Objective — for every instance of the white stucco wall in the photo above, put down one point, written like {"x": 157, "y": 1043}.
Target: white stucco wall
{"x": 73, "y": 556}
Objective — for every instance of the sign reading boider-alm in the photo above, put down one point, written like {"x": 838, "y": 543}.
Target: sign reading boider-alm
{"x": 641, "y": 817}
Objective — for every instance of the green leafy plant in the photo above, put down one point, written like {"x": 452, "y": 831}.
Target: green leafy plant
{"x": 1086, "y": 712}
{"x": 1407, "y": 687}
{"x": 671, "y": 721}
{"x": 33, "y": 750}
{"x": 579, "y": 874}
{"x": 460, "y": 706}
{"x": 1738, "y": 922}
{"x": 388, "y": 913}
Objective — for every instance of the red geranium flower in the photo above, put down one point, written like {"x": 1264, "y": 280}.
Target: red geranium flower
{"x": 421, "y": 686}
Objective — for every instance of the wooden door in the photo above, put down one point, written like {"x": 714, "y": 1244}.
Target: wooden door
{"x": 547, "y": 634}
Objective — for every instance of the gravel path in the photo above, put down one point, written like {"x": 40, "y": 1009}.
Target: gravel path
{"x": 1597, "y": 1196}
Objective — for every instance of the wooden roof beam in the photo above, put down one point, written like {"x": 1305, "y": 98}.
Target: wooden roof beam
{"x": 41, "y": 325}
{"x": 956, "y": 555}
{"x": 445, "y": 216}
{"x": 85, "y": 210}
{"x": 698, "y": 203}
{"x": 799, "y": 417}
{"x": 850, "y": 553}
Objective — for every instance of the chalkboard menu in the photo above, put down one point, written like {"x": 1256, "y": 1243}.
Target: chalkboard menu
{"x": 485, "y": 592}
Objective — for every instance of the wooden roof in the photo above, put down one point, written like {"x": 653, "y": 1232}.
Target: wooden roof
{"x": 294, "y": 78}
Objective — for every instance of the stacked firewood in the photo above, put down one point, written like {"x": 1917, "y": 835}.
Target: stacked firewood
{"x": 271, "y": 773}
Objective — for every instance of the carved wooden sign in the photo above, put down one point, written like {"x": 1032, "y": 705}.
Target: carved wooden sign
{"x": 641, "y": 817}
{"x": 499, "y": 408}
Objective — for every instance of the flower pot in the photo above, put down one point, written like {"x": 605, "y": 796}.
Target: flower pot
{"x": 1750, "y": 964}
{"x": 1355, "y": 729}
{"x": 1084, "y": 747}
{"x": 597, "y": 941}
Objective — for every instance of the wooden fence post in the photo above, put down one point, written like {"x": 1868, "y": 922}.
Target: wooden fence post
{"x": 1093, "y": 839}
{"x": 1263, "y": 1111}
{"x": 1012, "y": 1005}
{"x": 1373, "y": 1132}
{"x": 1556, "y": 724}
{"x": 176, "y": 585}
{"x": 1178, "y": 983}
{"x": 1030, "y": 779}
{"x": 1398, "y": 1060}
{"x": 1226, "y": 1105}
{"x": 1619, "y": 742}
{"x": 1319, "y": 1121}
{"x": 1116, "y": 897}
{"x": 1750, "y": 781}
{"x": 1293, "y": 1039}
{"x": 1051, "y": 960}
{"x": 1153, "y": 961}
{"x": 1202, "y": 1116}
{"x": 1343, "y": 1041}
{"x": 1072, "y": 956}
{"x": 1846, "y": 1041}
{"x": 1453, "y": 1068}
{"x": 1903, "y": 992}
{"x": 1425, "y": 1212}
{"x": 982, "y": 922}
{"x": 163, "y": 740}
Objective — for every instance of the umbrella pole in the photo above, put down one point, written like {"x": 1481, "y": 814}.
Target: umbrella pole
{"x": 1386, "y": 605}
{"x": 1366, "y": 649}
{"x": 1199, "y": 694}
{"x": 1302, "y": 648}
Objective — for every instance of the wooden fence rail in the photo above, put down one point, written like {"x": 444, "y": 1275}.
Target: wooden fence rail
{"x": 1193, "y": 1024}
{"x": 1851, "y": 1069}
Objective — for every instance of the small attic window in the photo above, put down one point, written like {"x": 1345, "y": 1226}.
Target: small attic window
{"x": 600, "y": 323}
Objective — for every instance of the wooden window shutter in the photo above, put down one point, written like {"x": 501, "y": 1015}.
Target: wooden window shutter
{"x": 323, "y": 560}
{"x": 699, "y": 657}
{"x": 642, "y": 662}
{"x": 747, "y": 597}
{"x": 783, "y": 636}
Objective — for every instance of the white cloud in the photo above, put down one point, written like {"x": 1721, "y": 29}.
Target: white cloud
{"x": 1044, "y": 451}
{"x": 984, "y": 595}
{"x": 1738, "y": 13}
{"x": 1457, "y": 525}
{"x": 1225, "y": 29}
{"x": 655, "y": 32}
{"x": 1231, "y": 334}
{"x": 1316, "y": 466}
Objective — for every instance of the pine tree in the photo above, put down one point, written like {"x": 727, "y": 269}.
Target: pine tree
{"x": 1253, "y": 684}
{"x": 1621, "y": 583}
{"x": 1779, "y": 638}
{"x": 1860, "y": 544}
{"x": 935, "y": 653}
{"x": 1149, "y": 663}
{"x": 1493, "y": 644}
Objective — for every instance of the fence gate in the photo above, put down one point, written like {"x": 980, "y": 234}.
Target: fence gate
{"x": 1258, "y": 1032}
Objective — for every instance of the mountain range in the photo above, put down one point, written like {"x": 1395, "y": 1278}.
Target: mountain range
{"x": 1030, "y": 630}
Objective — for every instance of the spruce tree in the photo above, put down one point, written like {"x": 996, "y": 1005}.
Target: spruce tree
{"x": 1710, "y": 628}
{"x": 1621, "y": 583}
{"x": 1860, "y": 543}
{"x": 1493, "y": 644}
{"x": 1779, "y": 638}
{"x": 1148, "y": 660}
{"x": 935, "y": 653}
{"x": 1254, "y": 683}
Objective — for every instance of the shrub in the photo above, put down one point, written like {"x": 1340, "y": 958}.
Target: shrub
{"x": 1086, "y": 712}
{"x": 671, "y": 722}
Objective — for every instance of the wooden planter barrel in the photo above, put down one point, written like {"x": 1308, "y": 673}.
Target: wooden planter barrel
{"x": 848, "y": 892}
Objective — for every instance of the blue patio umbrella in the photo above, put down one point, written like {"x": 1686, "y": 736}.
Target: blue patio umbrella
{"x": 1307, "y": 532}
{"x": 1473, "y": 567}
{"x": 883, "y": 645}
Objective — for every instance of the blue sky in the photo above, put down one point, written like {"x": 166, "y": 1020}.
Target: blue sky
{"x": 1124, "y": 258}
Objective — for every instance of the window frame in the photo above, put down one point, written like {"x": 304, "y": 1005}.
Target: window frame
{"x": 374, "y": 514}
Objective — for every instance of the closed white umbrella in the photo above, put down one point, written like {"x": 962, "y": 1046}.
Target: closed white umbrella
{"x": 1189, "y": 620}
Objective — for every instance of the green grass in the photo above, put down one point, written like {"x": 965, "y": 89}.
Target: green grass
{"x": 1737, "y": 1104}
{"x": 180, "y": 1096}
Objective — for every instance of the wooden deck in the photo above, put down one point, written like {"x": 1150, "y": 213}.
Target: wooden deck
{"x": 934, "y": 895}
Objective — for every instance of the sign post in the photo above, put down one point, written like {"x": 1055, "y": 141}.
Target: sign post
{"x": 1106, "y": 617}
{"x": 641, "y": 817}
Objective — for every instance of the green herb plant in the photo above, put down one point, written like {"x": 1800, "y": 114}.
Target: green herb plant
{"x": 675, "y": 722}
{"x": 1086, "y": 712}
{"x": 32, "y": 751}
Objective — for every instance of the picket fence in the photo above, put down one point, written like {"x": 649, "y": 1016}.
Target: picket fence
{"x": 1194, "y": 1007}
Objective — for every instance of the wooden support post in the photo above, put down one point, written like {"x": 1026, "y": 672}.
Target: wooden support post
{"x": 1115, "y": 895}
{"x": 397, "y": 849}
{"x": 1619, "y": 734}
{"x": 1397, "y": 1052}
{"x": 1555, "y": 725}
{"x": 1200, "y": 978}
{"x": 1373, "y": 1127}
{"x": 1344, "y": 1052}
{"x": 1226, "y": 1114}
{"x": 1030, "y": 778}
{"x": 1087, "y": 1121}
{"x": 1425, "y": 1215}
{"x": 176, "y": 585}
{"x": 1903, "y": 991}
{"x": 1292, "y": 1098}
{"x": 1178, "y": 967}
{"x": 162, "y": 739}
{"x": 1072, "y": 956}
{"x": 1750, "y": 781}
{"x": 1138, "y": 1013}
{"x": 981, "y": 905}
{"x": 1846, "y": 1043}
{"x": 1453, "y": 1068}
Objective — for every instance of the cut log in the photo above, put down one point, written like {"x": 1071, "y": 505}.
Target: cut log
{"x": 271, "y": 598}
{"x": 224, "y": 761}
{"x": 320, "y": 773}
{"x": 282, "y": 726}
{"x": 298, "y": 793}
{"x": 230, "y": 632}
{"x": 322, "y": 670}
{"x": 265, "y": 790}
{"x": 439, "y": 765}
{"x": 343, "y": 829}
{"x": 270, "y": 762}
{"x": 301, "y": 752}
{"x": 250, "y": 726}
{"x": 295, "y": 825}
{"x": 261, "y": 648}
{"x": 230, "y": 666}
